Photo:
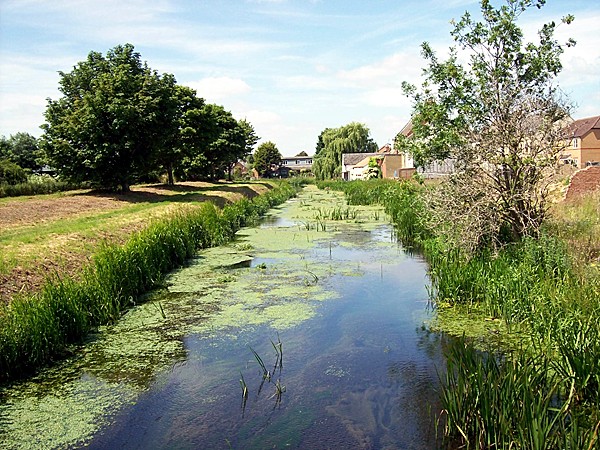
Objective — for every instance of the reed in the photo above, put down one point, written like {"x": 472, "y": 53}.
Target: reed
{"x": 279, "y": 390}
{"x": 265, "y": 373}
{"x": 278, "y": 346}
{"x": 36, "y": 329}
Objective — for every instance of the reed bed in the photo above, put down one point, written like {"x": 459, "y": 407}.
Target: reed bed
{"x": 544, "y": 394}
{"x": 36, "y": 329}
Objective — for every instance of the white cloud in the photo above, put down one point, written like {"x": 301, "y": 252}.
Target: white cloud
{"x": 219, "y": 88}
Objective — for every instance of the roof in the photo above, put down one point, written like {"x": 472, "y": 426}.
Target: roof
{"x": 294, "y": 158}
{"x": 302, "y": 153}
{"x": 363, "y": 162}
{"x": 581, "y": 127}
{"x": 351, "y": 159}
{"x": 387, "y": 148}
{"x": 407, "y": 130}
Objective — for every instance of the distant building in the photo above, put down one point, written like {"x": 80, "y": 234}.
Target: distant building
{"x": 301, "y": 163}
{"x": 393, "y": 165}
{"x": 582, "y": 143}
{"x": 289, "y": 165}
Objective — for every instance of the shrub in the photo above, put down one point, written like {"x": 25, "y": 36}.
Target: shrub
{"x": 11, "y": 174}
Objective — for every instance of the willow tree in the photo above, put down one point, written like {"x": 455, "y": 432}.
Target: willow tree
{"x": 333, "y": 142}
{"x": 499, "y": 117}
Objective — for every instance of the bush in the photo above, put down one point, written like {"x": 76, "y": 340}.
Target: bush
{"x": 38, "y": 185}
{"x": 11, "y": 174}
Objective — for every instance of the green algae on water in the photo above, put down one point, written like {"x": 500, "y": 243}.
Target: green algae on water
{"x": 218, "y": 293}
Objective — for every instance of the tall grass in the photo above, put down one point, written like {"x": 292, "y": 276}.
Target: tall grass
{"x": 36, "y": 329}
{"x": 544, "y": 394}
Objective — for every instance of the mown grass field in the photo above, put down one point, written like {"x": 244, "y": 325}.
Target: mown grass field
{"x": 57, "y": 233}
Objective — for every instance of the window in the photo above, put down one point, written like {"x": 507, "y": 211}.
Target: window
{"x": 575, "y": 143}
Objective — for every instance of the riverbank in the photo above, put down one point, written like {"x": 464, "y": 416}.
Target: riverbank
{"x": 58, "y": 233}
{"x": 36, "y": 328}
{"x": 527, "y": 373}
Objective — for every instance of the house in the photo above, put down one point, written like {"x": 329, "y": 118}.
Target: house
{"x": 582, "y": 143}
{"x": 301, "y": 163}
{"x": 275, "y": 172}
{"x": 350, "y": 160}
{"x": 393, "y": 164}
{"x": 435, "y": 169}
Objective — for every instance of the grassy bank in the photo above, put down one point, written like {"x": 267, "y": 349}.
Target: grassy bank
{"x": 542, "y": 390}
{"x": 59, "y": 233}
{"x": 34, "y": 329}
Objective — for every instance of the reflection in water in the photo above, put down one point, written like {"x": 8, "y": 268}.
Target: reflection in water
{"x": 359, "y": 369}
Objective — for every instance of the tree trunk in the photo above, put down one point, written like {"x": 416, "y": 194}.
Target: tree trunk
{"x": 171, "y": 180}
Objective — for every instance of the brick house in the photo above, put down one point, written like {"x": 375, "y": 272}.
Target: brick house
{"x": 392, "y": 164}
{"x": 582, "y": 143}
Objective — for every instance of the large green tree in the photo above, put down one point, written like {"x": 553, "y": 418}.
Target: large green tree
{"x": 214, "y": 142}
{"x": 499, "y": 117}
{"x": 265, "y": 156}
{"x": 114, "y": 115}
{"x": 333, "y": 142}
{"x": 181, "y": 140}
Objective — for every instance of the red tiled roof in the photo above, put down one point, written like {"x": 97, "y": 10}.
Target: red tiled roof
{"x": 581, "y": 127}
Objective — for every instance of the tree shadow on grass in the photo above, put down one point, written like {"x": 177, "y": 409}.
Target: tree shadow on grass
{"x": 183, "y": 193}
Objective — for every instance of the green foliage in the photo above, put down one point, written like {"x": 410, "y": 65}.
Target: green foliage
{"x": 516, "y": 401}
{"x": 374, "y": 171}
{"x": 36, "y": 329}
{"x": 38, "y": 184}
{"x": 113, "y": 117}
{"x": 23, "y": 150}
{"x": 499, "y": 117}
{"x": 11, "y": 173}
{"x": 351, "y": 138}
{"x": 213, "y": 141}
{"x": 265, "y": 156}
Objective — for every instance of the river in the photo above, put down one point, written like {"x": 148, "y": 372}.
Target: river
{"x": 321, "y": 294}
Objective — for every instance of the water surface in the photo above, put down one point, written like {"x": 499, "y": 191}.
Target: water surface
{"x": 347, "y": 304}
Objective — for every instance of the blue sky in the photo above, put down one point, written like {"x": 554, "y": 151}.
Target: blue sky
{"x": 291, "y": 67}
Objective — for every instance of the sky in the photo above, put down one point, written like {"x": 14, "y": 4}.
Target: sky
{"x": 290, "y": 67}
